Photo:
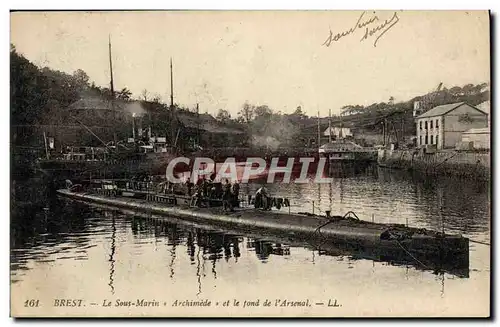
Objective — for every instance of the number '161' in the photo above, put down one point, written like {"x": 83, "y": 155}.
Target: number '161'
{"x": 31, "y": 303}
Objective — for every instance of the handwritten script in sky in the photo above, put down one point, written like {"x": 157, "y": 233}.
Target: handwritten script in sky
{"x": 371, "y": 26}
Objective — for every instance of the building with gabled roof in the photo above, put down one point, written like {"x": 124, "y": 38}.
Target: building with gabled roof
{"x": 206, "y": 123}
{"x": 206, "y": 131}
{"x": 442, "y": 126}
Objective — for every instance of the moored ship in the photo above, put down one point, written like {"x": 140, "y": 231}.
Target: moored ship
{"x": 84, "y": 163}
{"x": 143, "y": 153}
{"x": 344, "y": 152}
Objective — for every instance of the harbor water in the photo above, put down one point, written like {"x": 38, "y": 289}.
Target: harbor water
{"x": 66, "y": 250}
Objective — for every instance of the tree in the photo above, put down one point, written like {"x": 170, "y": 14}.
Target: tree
{"x": 468, "y": 89}
{"x": 223, "y": 115}
{"x": 298, "y": 113}
{"x": 262, "y": 111}
{"x": 144, "y": 95}
{"x": 247, "y": 113}
{"x": 456, "y": 90}
{"x": 27, "y": 86}
{"x": 124, "y": 94}
{"x": 106, "y": 92}
{"x": 40, "y": 96}
{"x": 156, "y": 98}
{"x": 351, "y": 110}
{"x": 81, "y": 78}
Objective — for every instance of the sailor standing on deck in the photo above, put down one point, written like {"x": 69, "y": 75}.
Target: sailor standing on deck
{"x": 226, "y": 197}
{"x": 261, "y": 198}
{"x": 235, "y": 192}
{"x": 196, "y": 198}
{"x": 205, "y": 185}
{"x": 189, "y": 186}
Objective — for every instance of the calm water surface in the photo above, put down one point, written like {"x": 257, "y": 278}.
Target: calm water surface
{"x": 70, "y": 250}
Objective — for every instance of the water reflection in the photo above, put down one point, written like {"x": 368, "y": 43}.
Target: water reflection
{"x": 191, "y": 246}
{"x": 397, "y": 197}
{"x": 171, "y": 265}
{"x": 216, "y": 246}
{"x": 445, "y": 203}
{"x": 113, "y": 249}
{"x": 198, "y": 272}
{"x": 49, "y": 230}
{"x": 263, "y": 249}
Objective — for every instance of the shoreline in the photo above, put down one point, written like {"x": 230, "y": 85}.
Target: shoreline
{"x": 466, "y": 165}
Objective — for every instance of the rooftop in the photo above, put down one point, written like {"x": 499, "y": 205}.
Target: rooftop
{"x": 484, "y": 106}
{"x": 99, "y": 103}
{"x": 206, "y": 122}
{"x": 340, "y": 146}
{"x": 444, "y": 109}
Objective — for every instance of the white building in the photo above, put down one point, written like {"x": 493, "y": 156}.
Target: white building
{"x": 442, "y": 126}
{"x": 338, "y": 132}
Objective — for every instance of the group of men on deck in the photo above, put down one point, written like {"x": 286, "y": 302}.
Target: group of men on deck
{"x": 208, "y": 189}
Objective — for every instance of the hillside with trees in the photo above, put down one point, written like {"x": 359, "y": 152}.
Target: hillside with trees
{"x": 271, "y": 128}
{"x": 41, "y": 96}
{"x": 371, "y": 117}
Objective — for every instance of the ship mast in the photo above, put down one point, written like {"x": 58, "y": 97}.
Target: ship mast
{"x": 319, "y": 132}
{"x": 112, "y": 86}
{"x": 198, "y": 124}
{"x": 172, "y": 108}
{"x": 330, "y": 125}
{"x": 112, "y": 89}
{"x": 171, "y": 85}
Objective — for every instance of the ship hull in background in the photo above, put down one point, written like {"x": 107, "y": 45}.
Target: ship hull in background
{"x": 146, "y": 164}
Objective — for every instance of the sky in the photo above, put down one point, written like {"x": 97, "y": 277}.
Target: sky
{"x": 282, "y": 59}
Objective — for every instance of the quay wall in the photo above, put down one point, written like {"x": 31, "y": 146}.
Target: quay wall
{"x": 451, "y": 163}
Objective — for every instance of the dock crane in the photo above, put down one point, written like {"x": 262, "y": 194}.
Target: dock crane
{"x": 419, "y": 107}
{"x": 431, "y": 96}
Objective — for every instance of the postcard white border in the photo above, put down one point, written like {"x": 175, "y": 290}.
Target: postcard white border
{"x": 191, "y": 4}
